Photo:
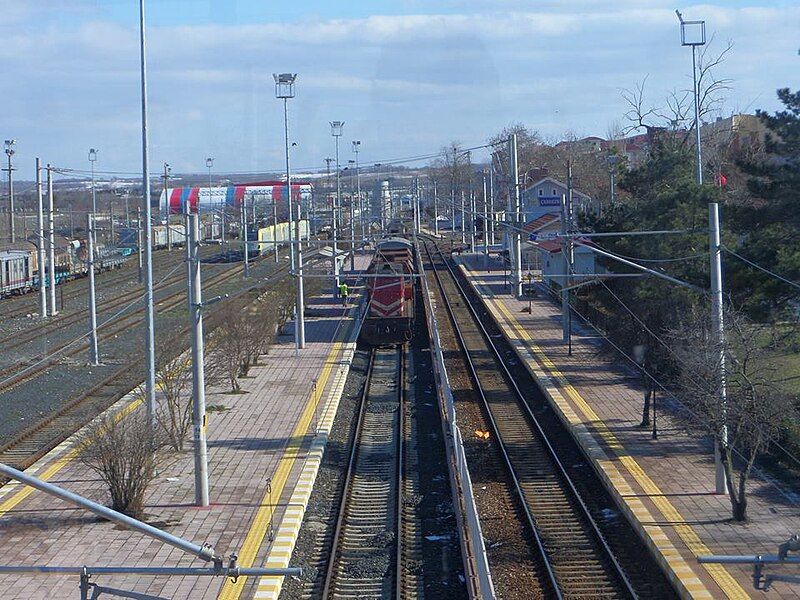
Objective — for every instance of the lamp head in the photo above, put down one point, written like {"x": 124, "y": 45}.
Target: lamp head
{"x": 9, "y": 146}
{"x": 284, "y": 84}
{"x": 92, "y": 154}
{"x": 336, "y": 128}
{"x": 209, "y": 162}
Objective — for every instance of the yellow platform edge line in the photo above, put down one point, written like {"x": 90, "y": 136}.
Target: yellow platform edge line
{"x": 692, "y": 540}
{"x": 258, "y": 530}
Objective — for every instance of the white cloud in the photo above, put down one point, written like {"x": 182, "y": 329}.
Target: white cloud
{"x": 405, "y": 84}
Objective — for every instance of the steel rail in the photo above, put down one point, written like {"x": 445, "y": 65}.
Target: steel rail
{"x": 474, "y": 375}
{"x": 348, "y": 479}
{"x": 523, "y": 402}
{"x": 401, "y": 396}
{"x": 28, "y": 436}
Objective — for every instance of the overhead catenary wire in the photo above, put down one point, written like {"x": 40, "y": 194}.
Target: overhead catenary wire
{"x": 760, "y": 268}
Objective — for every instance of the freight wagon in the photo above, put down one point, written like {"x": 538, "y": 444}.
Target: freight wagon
{"x": 267, "y": 236}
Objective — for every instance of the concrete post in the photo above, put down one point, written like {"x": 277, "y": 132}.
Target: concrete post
{"x": 435, "y": 209}
{"x": 51, "y": 241}
{"x": 198, "y": 372}
{"x": 94, "y": 354}
{"x": 246, "y": 271}
{"x": 514, "y": 210}
{"x": 718, "y": 332}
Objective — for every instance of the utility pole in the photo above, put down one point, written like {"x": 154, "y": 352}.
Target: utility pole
{"x": 485, "y": 219}
{"x": 149, "y": 311}
{"x": 139, "y": 243}
{"x": 435, "y": 209}
{"x": 40, "y": 242}
{"x": 567, "y": 253}
{"x": 9, "y": 147}
{"x": 718, "y": 333}
{"x": 356, "y": 148}
{"x": 514, "y": 218}
{"x": 693, "y": 33}
{"x": 244, "y": 238}
{"x": 491, "y": 201}
{"x": 165, "y": 177}
{"x": 94, "y": 354}
{"x": 198, "y": 373}
{"x": 51, "y": 242}
{"x": 275, "y": 228}
{"x": 463, "y": 222}
{"x": 336, "y": 132}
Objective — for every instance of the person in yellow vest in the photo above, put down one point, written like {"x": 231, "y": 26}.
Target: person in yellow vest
{"x": 343, "y": 292}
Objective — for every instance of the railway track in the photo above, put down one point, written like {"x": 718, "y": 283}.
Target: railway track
{"x": 579, "y": 563}
{"x": 27, "y": 446}
{"x": 366, "y": 558}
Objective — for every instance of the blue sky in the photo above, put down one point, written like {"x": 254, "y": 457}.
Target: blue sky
{"x": 406, "y": 76}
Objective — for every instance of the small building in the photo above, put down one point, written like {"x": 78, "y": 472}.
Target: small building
{"x": 553, "y": 265}
{"x": 544, "y": 197}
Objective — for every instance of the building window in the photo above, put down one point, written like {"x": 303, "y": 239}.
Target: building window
{"x": 541, "y": 192}
{"x": 554, "y": 191}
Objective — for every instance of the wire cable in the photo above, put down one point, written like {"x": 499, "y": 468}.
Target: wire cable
{"x": 760, "y": 268}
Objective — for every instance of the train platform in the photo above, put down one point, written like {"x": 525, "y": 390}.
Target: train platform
{"x": 665, "y": 486}
{"x": 263, "y": 446}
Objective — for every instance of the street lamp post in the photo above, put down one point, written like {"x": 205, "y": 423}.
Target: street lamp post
{"x": 693, "y": 33}
{"x": 284, "y": 89}
{"x": 92, "y": 160}
{"x": 9, "y": 147}
{"x": 336, "y": 132}
{"x": 165, "y": 177}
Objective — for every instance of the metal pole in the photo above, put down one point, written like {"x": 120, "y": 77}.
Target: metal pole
{"x": 472, "y": 213}
{"x": 51, "y": 242}
{"x": 40, "y": 243}
{"x": 94, "y": 197}
{"x": 485, "y": 219}
{"x": 299, "y": 321}
{"x": 435, "y": 209}
{"x": 335, "y": 234}
{"x": 491, "y": 203}
{"x": 514, "y": 207}
{"x": 206, "y": 552}
{"x": 275, "y": 228}
{"x": 166, "y": 202}
{"x": 360, "y": 199}
{"x": 140, "y": 251}
{"x": 289, "y": 186}
{"x": 198, "y": 370}
{"x": 13, "y": 233}
{"x": 718, "y": 333}
{"x": 463, "y": 222}
{"x": 149, "y": 313}
{"x": 565, "y": 333}
{"x": 244, "y": 238}
{"x": 94, "y": 354}
{"x": 697, "y": 117}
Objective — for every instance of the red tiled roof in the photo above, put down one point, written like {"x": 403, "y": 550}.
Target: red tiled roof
{"x": 540, "y": 222}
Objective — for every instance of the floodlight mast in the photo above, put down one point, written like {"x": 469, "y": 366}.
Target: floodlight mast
{"x": 9, "y": 148}
{"x": 284, "y": 89}
{"x": 336, "y": 132}
{"x": 693, "y": 33}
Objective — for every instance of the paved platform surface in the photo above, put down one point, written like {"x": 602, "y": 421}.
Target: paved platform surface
{"x": 666, "y": 485}
{"x": 258, "y": 448}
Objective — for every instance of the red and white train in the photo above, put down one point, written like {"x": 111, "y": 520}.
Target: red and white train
{"x": 390, "y": 314}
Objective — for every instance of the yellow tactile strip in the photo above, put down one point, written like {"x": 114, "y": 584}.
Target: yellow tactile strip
{"x": 553, "y": 382}
{"x": 283, "y": 546}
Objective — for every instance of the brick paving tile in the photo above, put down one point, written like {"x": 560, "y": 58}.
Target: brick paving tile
{"x": 680, "y": 464}
{"x": 245, "y": 444}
